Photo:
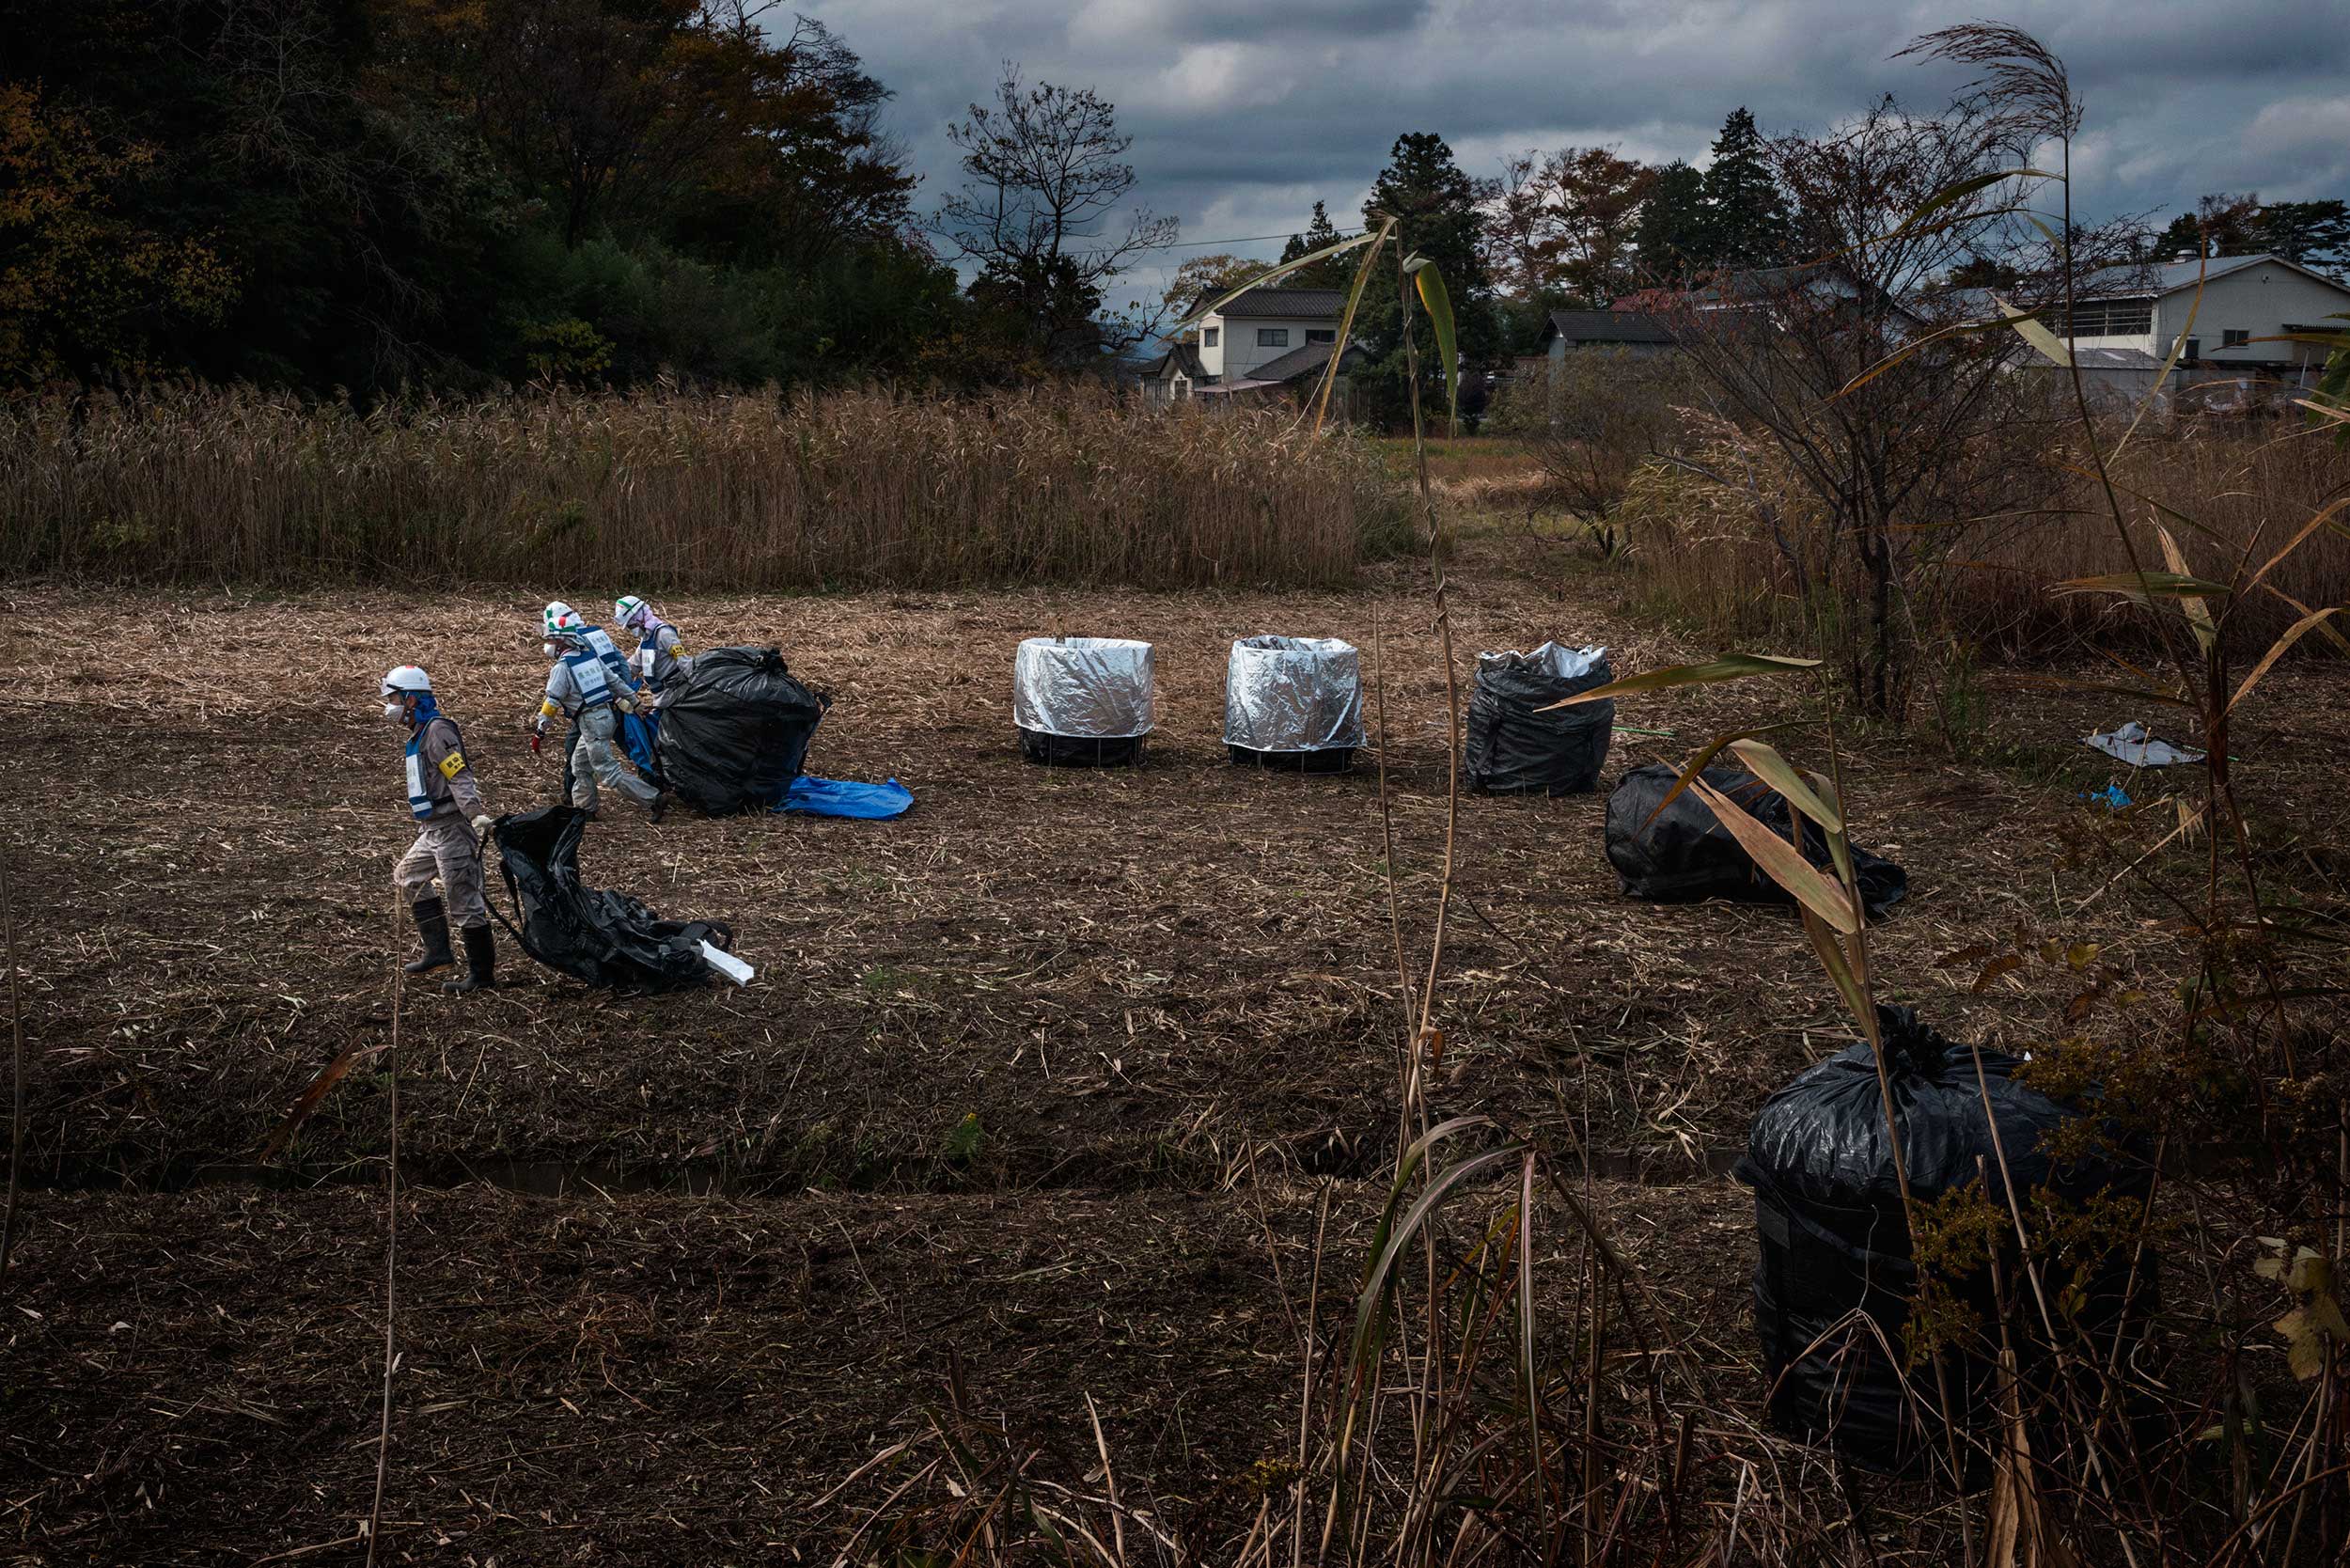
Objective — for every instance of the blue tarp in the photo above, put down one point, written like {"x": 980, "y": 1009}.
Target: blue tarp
{"x": 814, "y": 797}
{"x": 832, "y": 797}
{"x": 636, "y": 734}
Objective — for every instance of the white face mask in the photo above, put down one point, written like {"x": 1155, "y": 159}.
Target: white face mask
{"x": 395, "y": 712}
{"x": 550, "y": 650}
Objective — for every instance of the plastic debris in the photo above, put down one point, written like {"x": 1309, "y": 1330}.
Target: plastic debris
{"x": 2132, "y": 743}
{"x": 2110, "y": 798}
{"x": 727, "y": 965}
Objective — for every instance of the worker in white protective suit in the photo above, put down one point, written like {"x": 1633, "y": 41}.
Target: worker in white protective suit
{"x": 589, "y": 685}
{"x": 662, "y": 662}
{"x": 446, "y": 804}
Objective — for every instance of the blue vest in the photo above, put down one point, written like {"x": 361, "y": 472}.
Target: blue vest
{"x": 588, "y": 670}
{"x": 615, "y": 664}
{"x": 420, "y": 802}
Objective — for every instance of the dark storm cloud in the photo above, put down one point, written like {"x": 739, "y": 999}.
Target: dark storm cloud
{"x": 1243, "y": 113}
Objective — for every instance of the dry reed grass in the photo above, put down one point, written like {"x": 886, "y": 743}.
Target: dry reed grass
{"x": 738, "y": 491}
{"x": 1706, "y": 549}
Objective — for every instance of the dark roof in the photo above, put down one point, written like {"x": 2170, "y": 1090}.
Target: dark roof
{"x": 1306, "y": 303}
{"x": 1607, "y": 326}
{"x": 1180, "y": 359}
{"x": 1296, "y": 363}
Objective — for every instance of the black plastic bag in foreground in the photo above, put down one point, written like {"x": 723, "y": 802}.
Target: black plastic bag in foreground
{"x": 733, "y": 738}
{"x": 1514, "y": 747}
{"x": 1686, "y": 854}
{"x": 597, "y": 935}
{"x": 1834, "y": 1241}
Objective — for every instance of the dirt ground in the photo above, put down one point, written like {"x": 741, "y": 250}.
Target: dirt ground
{"x": 1167, "y": 996}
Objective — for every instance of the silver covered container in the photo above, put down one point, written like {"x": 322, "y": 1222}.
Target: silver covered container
{"x": 1084, "y": 688}
{"x": 1293, "y": 694}
{"x": 1550, "y": 662}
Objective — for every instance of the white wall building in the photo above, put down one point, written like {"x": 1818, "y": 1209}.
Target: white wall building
{"x": 1267, "y": 338}
{"x": 2244, "y": 298}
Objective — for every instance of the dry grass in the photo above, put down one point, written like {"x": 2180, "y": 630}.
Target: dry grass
{"x": 740, "y": 491}
{"x": 1460, "y": 459}
{"x": 1705, "y": 550}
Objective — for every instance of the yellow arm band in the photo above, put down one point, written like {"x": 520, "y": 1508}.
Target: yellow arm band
{"x": 549, "y": 708}
{"x": 452, "y": 764}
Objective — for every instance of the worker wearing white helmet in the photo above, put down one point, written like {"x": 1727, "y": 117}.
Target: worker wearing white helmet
{"x": 661, "y": 662}
{"x": 591, "y": 685}
{"x": 447, "y": 805}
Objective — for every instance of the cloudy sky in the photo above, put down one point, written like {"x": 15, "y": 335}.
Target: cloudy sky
{"x": 1244, "y": 112}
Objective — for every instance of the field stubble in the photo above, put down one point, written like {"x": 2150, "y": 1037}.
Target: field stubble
{"x": 1151, "y": 995}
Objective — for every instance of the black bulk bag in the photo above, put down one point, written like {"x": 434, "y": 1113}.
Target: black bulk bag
{"x": 732, "y": 739}
{"x": 1686, "y": 854}
{"x": 594, "y": 934}
{"x": 1834, "y": 1241}
{"x": 1516, "y": 749}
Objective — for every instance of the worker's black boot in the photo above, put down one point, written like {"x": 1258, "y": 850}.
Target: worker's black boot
{"x": 658, "y": 806}
{"x": 480, "y": 964}
{"x": 432, "y": 921}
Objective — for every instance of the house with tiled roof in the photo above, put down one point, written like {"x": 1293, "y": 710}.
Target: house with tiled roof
{"x": 1266, "y": 341}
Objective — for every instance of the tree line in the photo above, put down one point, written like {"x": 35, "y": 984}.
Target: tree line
{"x": 372, "y": 195}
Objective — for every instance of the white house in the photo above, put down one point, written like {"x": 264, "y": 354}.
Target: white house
{"x": 1265, "y": 339}
{"x": 2147, "y": 307}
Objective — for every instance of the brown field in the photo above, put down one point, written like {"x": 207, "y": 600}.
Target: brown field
{"x": 1167, "y": 996}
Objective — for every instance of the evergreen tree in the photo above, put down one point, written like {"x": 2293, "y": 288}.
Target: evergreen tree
{"x": 1334, "y": 271}
{"x": 1745, "y": 216}
{"x": 1438, "y": 210}
{"x": 2314, "y": 233}
{"x": 1673, "y": 238}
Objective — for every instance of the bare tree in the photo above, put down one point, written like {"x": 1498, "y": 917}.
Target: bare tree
{"x": 1592, "y": 418}
{"x": 1047, "y": 181}
{"x": 1903, "y": 433}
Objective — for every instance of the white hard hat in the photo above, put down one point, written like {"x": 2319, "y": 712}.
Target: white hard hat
{"x": 624, "y": 609}
{"x": 561, "y": 620}
{"x": 407, "y": 677}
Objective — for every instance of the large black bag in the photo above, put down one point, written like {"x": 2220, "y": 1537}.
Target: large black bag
{"x": 1834, "y": 1241}
{"x": 594, "y": 935}
{"x": 1686, "y": 854}
{"x": 1516, "y": 749}
{"x": 732, "y": 739}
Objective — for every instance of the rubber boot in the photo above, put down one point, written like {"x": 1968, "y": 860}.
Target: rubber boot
{"x": 659, "y": 805}
{"x": 480, "y": 964}
{"x": 432, "y": 921}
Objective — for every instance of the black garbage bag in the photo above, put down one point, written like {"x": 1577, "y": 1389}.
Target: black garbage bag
{"x": 1516, "y": 749}
{"x": 1833, "y": 1242}
{"x": 732, "y": 739}
{"x": 594, "y": 935}
{"x": 1686, "y": 854}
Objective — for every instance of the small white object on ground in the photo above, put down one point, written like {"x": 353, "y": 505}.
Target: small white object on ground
{"x": 727, "y": 965}
{"x": 2131, "y": 743}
